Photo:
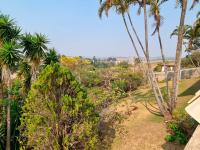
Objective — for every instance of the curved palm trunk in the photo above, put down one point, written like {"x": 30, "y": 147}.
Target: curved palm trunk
{"x": 135, "y": 48}
{"x": 153, "y": 82}
{"x": 131, "y": 38}
{"x": 178, "y": 56}
{"x": 135, "y": 32}
{"x": 164, "y": 62}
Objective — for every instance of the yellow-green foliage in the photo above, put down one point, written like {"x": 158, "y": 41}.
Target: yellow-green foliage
{"x": 73, "y": 62}
{"x": 57, "y": 113}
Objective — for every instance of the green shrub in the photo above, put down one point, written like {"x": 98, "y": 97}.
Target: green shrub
{"x": 170, "y": 138}
{"x": 123, "y": 64}
{"x": 177, "y": 134}
{"x": 121, "y": 85}
{"x": 57, "y": 113}
{"x": 186, "y": 63}
{"x": 90, "y": 78}
{"x": 133, "y": 80}
{"x": 158, "y": 67}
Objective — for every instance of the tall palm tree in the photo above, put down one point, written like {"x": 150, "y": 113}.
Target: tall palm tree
{"x": 155, "y": 12}
{"x": 178, "y": 55}
{"x": 9, "y": 56}
{"x": 34, "y": 49}
{"x": 121, "y": 8}
{"x": 160, "y": 101}
{"x": 9, "y": 31}
{"x": 51, "y": 57}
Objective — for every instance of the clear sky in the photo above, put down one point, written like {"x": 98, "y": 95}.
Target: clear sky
{"x": 74, "y": 28}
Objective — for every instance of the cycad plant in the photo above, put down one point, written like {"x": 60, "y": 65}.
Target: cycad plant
{"x": 51, "y": 57}
{"x": 9, "y": 57}
{"x": 34, "y": 48}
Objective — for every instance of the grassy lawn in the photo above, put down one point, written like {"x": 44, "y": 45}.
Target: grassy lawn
{"x": 140, "y": 129}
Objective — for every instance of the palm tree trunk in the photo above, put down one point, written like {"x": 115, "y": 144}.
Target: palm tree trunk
{"x": 34, "y": 68}
{"x": 130, "y": 36}
{"x": 124, "y": 19}
{"x": 135, "y": 32}
{"x": 8, "y": 136}
{"x": 153, "y": 82}
{"x": 178, "y": 56}
{"x": 164, "y": 62}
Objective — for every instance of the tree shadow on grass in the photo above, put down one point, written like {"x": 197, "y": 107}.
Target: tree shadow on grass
{"x": 142, "y": 96}
{"x": 191, "y": 90}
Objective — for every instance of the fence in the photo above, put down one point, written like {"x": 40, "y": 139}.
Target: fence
{"x": 184, "y": 74}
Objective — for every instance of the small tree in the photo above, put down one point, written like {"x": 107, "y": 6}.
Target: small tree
{"x": 57, "y": 113}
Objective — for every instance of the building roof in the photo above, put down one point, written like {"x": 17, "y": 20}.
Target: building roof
{"x": 193, "y": 109}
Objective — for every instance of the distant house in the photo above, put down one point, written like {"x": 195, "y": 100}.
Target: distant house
{"x": 129, "y": 60}
{"x": 169, "y": 67}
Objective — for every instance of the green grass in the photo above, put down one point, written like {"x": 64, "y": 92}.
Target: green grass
{"x": 187, "y": 89}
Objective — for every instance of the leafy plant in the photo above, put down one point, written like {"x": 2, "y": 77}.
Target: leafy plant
{"x": 121, "y": 85}
{"x": 177, "y": 134}
{"x": 57, "y": 113}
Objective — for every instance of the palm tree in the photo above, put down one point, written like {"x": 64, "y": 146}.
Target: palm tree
{"x": 9, "y": 56}
{"x": 34, "y": 49}
{"x": 121, "y": 8}
{"x": 178, "y": 55}
{"x": 8, "y": 30}
{"x": 155, "y": 87}
{"x": 51, "y": 57}
{"x": 191, "y": 36}
{"x": 155, "y": 12}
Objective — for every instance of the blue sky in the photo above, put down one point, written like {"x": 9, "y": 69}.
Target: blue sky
{"x": 74, "y": 28}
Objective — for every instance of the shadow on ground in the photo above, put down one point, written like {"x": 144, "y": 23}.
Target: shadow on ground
{"x": 191, "y": 90}
{"x": 172, "y": 146}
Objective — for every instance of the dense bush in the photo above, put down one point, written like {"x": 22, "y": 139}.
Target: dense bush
{"x": 158, "y": 67}
{"x": 101, "y": 64}
{"x": 90, "y": 78}
{"x": 186, "y": 63}
{"x": 177, "y": 133}
{"x": 121, "y": 85}
{"x": 15, "y": 107}
{"x": 57, "y": 113}
{"x": 123, "y": 64}
{"x": 103, "y": 97}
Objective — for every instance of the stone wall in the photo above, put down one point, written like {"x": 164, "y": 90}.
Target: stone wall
{"x": 185, "y": 74}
